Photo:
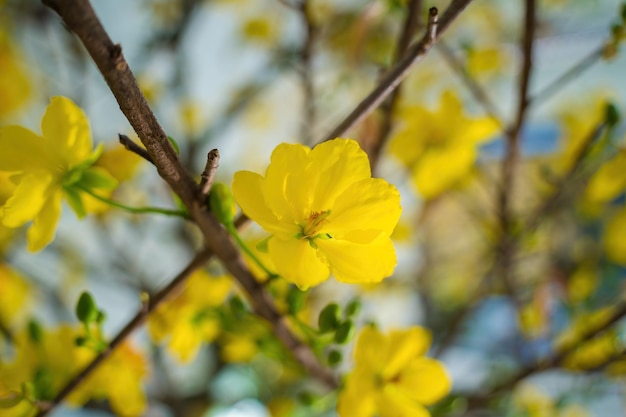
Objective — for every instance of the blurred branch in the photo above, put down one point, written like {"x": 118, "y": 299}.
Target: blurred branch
{"x": 410, "y": 27}
{"x": 198, "y": 261}
{"x": 568, "y": 76}
{"x": 507, "y": 245}
{"x": 79, "y": 16}
{"x": 399, "y": 71}
{"x": 479, "y": 93}
{"x": 306, "y": 72}
{"x": 555, "y": 360}
{"x": 207, "y": 176}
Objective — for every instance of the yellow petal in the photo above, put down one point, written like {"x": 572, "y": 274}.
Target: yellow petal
{"x": 22, "y": 150}
{"x": 353, "y": 403}
{"x": 425, "y": 380}
{"x": 27, "y": 200}
{"x": 442, "y": 168}
{"x": 615, "y": 238}
{"x": 297, "y": 261}
{"x": 336, "y": 164}
{"x": 392, "y": 403}
{"x": 247, "y": 192}
{"x": 42, "y": 231}
{"x": 65, "y": 125}
{"x": 369, "y": 204}
{"x": 404, "y": 347}
{"x": 287, "y": 159}
{"x": 609, "y": 181}
{"x": 353, "y": 262}
{"x": 372, "y": 349}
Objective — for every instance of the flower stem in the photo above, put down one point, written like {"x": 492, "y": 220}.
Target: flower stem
{"x": 155, "y": 210}
{"x": 244, "y": 247}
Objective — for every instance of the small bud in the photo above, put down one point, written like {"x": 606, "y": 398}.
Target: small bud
{"x": 344, "y": 332}
{"x": 612, "y": 115}
{"x": 237, "y": 306}
{"x": 35, "y": 331}
{"x": 353, "y": 308}
{"x": 295, "y": 299}
{"x": 306, "y": 398}
{"x": 101, "y": 317}
{"x": 86, "y": 309}
{"x": 328, "y": 319}
{"x": 623, "y": 14}
{"x": 80, "y": 341}
{"x": 222, "y": 203}
{"x": 334, "y": 358}
{"x": 617, "y": 32}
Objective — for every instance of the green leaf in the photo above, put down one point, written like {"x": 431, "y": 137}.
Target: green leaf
{"x": 222, "y": 203}
{"x": 174, "y": 144}
{"x": 328, "y": 319}
{"x": 86, "y": 309}
{"x": 97, "y": 177}
{"x": 75, "y": 200}
{"x": 334, "y": 358}
{"x": 35, "y": 332}
{"x": 612, "y": 115}
{"x": 345, "y": 332}
{"x": 353, "y": 308}
{"x": 262, "y": 246}
{"x": 295, "y": 299}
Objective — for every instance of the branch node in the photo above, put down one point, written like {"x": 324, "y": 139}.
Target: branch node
{"x": 212, "y": 163}
{"x": 433, "y": 21}
{"x": 133, "y": 147}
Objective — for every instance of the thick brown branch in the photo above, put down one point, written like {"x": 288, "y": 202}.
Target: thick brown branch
{"x": 399, "y": 71}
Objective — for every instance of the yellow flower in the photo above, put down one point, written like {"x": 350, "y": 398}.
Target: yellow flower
{"x": 325, "y": 213}
{"x": 48, "y": 168}
{"x": 188, "y": 320}
{"x": 13, "y": 294}
{"x": 615, "y": 238}
{"x": 14, "y": 82}
{"x": 47, "y": 359}
{"x": 439, "y": 147}
{"x": 609, "y": 181}
{"x": 391, "y": 376}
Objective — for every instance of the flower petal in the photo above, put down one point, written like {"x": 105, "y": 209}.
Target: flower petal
{"x": 286, "y": 160}
{"x": 369, "y": 204}
{"x": 247, "y": 192}
{"x": 297, "y": 261}
{"x": 392, "y": 403}
{"x": 442, "y": 168}
{"x": 353, "y": 262}
{"x": 354, "y": 403}
{"x": 404, "y": 347}
{"x": 336, "y": 164}
{"x": 27, "y": 200}
{"x": 372, "y": 349}
{"x": 425, "y": 380}
{"x": 65, "y": 125}
{"x": 42, "y": 231}
{"x": 21, "y": 150}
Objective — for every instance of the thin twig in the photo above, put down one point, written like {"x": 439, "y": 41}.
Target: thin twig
{"x": 568, "y": 76}
{"x": 399, "y": 71}
{"x": 208, "y": 175}
{"x": 410, "y": 27}
{"x": 479, "y": 93}
{"x": 507, "y": 245}
{"x": 198, "y": 261}
{"x": 554, "y": 360}
{"x": 133, "y": 147}
{"x": 306, "y": 73}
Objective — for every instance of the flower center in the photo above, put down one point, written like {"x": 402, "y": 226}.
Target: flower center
{"x": 314, "y": 223}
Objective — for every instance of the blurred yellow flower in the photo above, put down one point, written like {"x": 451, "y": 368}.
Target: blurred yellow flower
{"x": 261, "y": 29}
{"x": 325, "y": 213}
{"x": 14, "y": 82}
{"x": 48, "y": 358}
{"x": 391, "y": 376}
{"x": 439, "y": 147}
{"x": 485, "y": 60}
{"x": 188, "y": 320}
{"x": 609, "y": 181}
{"x": 47, "y": 168}
{"x": 13, "y": 294}
{"x": 534, "y": 402}
{"x": 615, "y": 237}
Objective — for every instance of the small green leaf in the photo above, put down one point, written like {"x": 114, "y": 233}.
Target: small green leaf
{"x": 97, "y": 177}
{"x": 10, "y": 399}
{"x": 75, "y": 200}
{"x": 86, "y": 309}
{"x": 237, "y": 306}
{"x": 328, "y": 319}
{"x": 101, "y": 317}
{"x": 334, "y": 358}
{"x": 35, "y": 332}
{"x": 81, "y": 341}
{"x": 295, "y": 299}
{"x": 353, "y": 308}
{"x": 222, "y": 203}
{"x": 262, "y": 246}
{"x": 345, "y": 332}
{"x": 174, "y": 144}
{"x": 612, "y": 115}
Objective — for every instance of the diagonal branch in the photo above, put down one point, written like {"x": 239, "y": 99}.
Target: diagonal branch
{"x": 399, "y": 71}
